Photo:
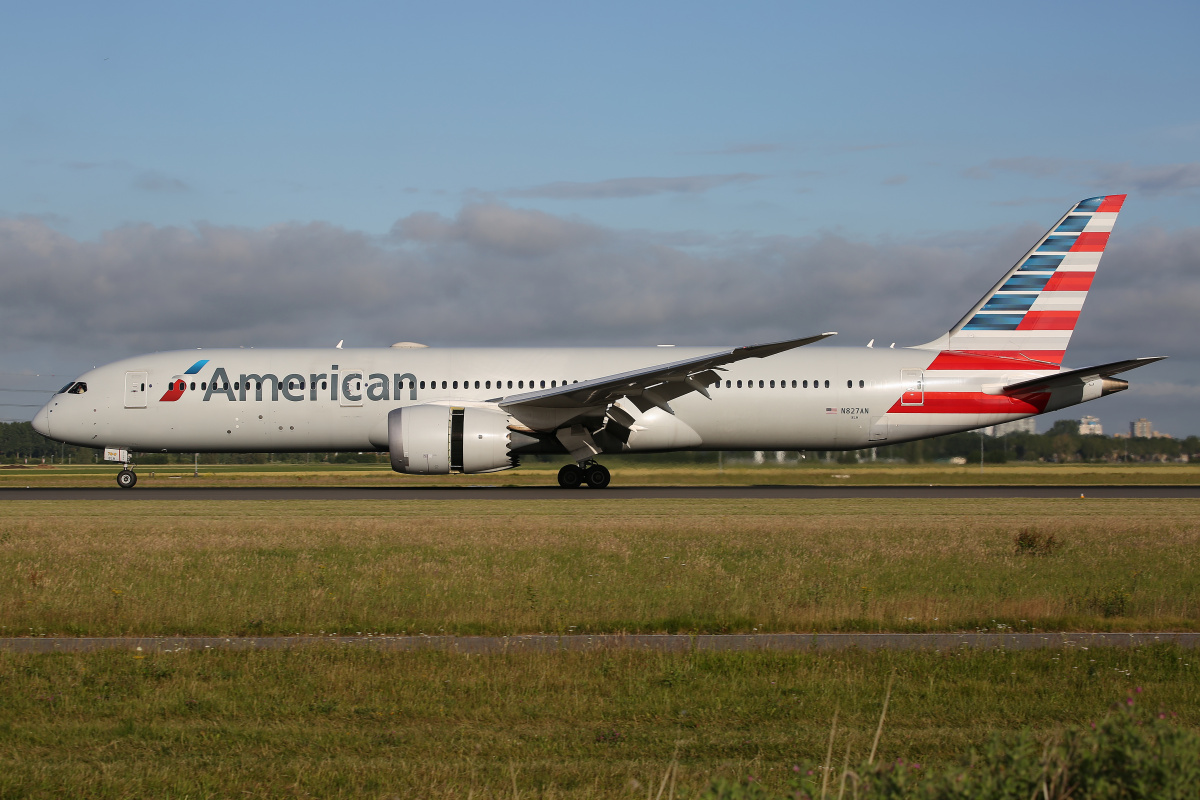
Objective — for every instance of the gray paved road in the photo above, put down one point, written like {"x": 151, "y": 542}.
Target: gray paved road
{"x": 611, "y": 493}
{"x": 655, "y": 642}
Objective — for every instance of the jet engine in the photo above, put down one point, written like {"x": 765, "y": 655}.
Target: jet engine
{"x": 437, "y": 440}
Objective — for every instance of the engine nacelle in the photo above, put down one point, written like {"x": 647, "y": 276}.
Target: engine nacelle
{"x": 437, "y": 440}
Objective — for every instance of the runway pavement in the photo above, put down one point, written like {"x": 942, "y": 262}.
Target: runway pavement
{"x": 409, "y": 492}
{"x": 673, "y": 643}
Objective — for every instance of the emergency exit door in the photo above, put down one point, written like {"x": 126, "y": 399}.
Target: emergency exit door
{"x": 136, "y": 389}
{"x": 912, "y": 383}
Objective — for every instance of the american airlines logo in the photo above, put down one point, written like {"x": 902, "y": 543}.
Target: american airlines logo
{"x": 178, "y": 385}
{"x": 353, "y": 386}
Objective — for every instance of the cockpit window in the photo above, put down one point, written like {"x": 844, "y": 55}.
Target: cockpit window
{"x": 78, "y": 388}
{"x": 66, "y": 388}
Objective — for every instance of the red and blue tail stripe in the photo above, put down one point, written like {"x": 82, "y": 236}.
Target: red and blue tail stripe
{"x": 1030, "y": 314}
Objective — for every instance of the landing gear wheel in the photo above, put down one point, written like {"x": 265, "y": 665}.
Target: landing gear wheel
{"x": 126, "y": 479}
{"x": 570, "y": 477}
{"x": 597, "y": 476}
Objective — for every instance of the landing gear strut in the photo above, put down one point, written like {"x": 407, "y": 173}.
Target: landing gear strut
{"x": 590, "y": 474}
{"x": 126, "y": 478}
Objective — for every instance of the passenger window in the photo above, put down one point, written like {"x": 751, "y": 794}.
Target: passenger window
{"x": 476, "y": 384}
{"x": 193, "y": 386}
{"x": 772, "y": 384}
{"x": 510, "y": 384}
{"x": 760, "y": 384}
{"x": 793, "y": 384}
{"x": 739, "y": 384}
{"x": 728, "y": 385}
{"x": 826, "y": 384}
{"x": 520, "y": 384}
{"x": 143, "y": 387}
{"x": 849, "y": 384}
{"x": 487, "y": 385}
{"x": 456, "y": 384}
{"x": 861, "y": 384}
{"x": 323, "y": 384}
{"x": 443, "y": 384}
{"x": 806, "y": 384}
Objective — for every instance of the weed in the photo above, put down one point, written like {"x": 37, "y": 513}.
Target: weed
{"x": 1033, "y": 542}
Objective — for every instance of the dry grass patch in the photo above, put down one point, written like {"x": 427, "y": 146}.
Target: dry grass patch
{"x": 263, "y": 567}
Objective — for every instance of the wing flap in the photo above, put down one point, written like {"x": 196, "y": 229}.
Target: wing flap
{"x": 650, "y": 386}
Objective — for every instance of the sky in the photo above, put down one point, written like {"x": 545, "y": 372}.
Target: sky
{"x": 292, "y": 174}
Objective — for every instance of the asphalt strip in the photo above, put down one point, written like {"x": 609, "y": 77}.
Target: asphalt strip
{"x": 528, "y": 493}
{"x": 666, "y": 643}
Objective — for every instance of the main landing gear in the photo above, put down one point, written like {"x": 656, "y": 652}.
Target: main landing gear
{"x": 126, "y": 478}
{"x": 589, "y": 474}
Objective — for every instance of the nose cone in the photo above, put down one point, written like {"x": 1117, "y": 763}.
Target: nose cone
{"x": 41, "y": 421}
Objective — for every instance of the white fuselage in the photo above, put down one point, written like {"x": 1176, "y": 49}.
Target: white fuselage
{"x": 305, "y": 400}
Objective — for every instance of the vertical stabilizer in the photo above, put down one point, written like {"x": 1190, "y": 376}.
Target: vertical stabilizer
{"x": 1031, "y": 312}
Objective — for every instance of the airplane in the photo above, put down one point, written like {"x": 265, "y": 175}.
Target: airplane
{"x": 439, "y": 411}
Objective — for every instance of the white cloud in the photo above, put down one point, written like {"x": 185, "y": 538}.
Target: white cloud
{"x": 634, "y": 187}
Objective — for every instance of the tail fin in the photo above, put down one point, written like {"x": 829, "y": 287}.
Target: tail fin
{"x": 1031, "y": 313}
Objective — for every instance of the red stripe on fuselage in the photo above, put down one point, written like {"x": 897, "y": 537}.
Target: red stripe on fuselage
{"x": 1049, "y": 321}
{"x": 174, "y": 392}
{"x": 998, "y": 360}
{"x": 975, "y": 403}
{"x": 1070, "y": 282}
{"x": 1090, "y": 243}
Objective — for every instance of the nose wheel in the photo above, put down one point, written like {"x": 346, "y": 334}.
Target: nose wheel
{"x": 126, "y": 479}
{"x": 591, "y": 475}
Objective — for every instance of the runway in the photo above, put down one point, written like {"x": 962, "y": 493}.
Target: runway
{"x": 667, "y": 643}
{"x": 527, "y": 493}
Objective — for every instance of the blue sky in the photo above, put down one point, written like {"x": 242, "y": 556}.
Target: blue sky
{"x": 709, "y": 130}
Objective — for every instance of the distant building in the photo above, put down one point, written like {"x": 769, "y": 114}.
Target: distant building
{"x": 1027, "y": 425}
{"x": 1090, "y": 426}
{"x": 1141, "y": 429}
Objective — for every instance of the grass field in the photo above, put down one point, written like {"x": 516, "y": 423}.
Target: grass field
{"x": 627, "y": 471}
{"x": 358, "y": 723}
{"x": 116, "y": 567}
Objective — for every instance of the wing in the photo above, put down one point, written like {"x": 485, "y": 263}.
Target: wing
{"x": 650, "y": 386}
{"x": 1077, "y": 376}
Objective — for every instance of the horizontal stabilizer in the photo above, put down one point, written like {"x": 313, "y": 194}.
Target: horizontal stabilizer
{"x": 1075, "y": 377}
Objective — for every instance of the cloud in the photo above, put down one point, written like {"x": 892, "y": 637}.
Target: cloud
{"x": 861, "y": 148}
{"x": 497, "y": 275}
{"x": 154, "y": 181}
{"x": 746, "y": 148}
{"x": 1151, "y": 180}
{"x": 498, "y": 229}
{"x": 895, "y": 180}
{"x": 634, "y": 187}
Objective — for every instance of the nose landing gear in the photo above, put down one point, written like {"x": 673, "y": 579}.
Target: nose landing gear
{"x": 589, "y": 474}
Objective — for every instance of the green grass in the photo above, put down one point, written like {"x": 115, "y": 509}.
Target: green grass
{"x": 353, "y": 722}
{"x": 118, "y": 567}
{"x": 627, "y": 471}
